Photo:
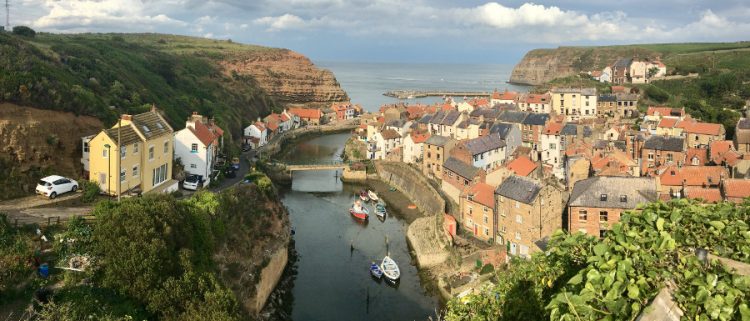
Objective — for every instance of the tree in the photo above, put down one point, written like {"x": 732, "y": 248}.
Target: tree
{"x": 24, "y": 31}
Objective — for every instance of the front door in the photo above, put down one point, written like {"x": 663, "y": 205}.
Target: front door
{"x": 103, "y": 182}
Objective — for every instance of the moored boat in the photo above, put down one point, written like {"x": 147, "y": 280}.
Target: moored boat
{"x": 359, "y": 211}
{"x": 363, "y": 196}
{"x": 380, "y": 210}
{"x": 390, "y": 269}
{"x": 375, "y": 271}
{"x": 372, "y": 195}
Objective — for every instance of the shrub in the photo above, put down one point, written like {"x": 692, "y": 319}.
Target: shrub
{"x": 24, "y": 31}
{"x": 90, "y": 191}
{"x": 487, "y": 268}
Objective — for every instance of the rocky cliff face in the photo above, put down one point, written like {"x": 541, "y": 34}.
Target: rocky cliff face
{"x": 539, "y": 66}
{"x": 36, "y": 142}
{"x": 288, "y": 77}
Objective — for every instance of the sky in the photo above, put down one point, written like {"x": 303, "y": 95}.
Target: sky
{"x": 462, "y": 31}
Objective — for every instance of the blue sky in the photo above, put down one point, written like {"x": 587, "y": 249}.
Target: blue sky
{"x": 466, "y": 31}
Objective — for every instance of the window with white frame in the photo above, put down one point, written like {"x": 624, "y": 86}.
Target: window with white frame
{"x": 518, "y": 236}
{"x": 122, "y": 175}
{"x": 105, "y": 153}
{"x": 151, "y": 153}
{"x": 135, "y": 171}
{"x": 519, "y": 219}
{"x": 166, "y": 147}
{"x": 135, "y": 148}
{"x": 123, "y": 151}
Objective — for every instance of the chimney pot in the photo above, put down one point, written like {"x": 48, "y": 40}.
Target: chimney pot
{"x": 126, "y": 117}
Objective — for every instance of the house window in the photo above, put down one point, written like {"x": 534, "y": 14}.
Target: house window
{"x": 519, "y": 219}
{"x": 123, "y": 151}
{"x": 135, "y": 171}
{"x": 502, "y": 229}
{"x": 696, "y": 137}
{"x": 486, "y": 231}
{"x": 603, "y": 216}
{"x": 135, "y": 148}
{"x": 160, "y": 175}
{"x": 122, "y": 175}
{"x": 194, "y": 148}
{"x": 669, "y": 157}
{"x": 603, "y": 197}
{"x": 85, "y": 147}
{"x": 623, "y": 198}
{"x": 602, "y": 233}
{"x": 193, "y": 166}
{"x": 486, "y": 219}
{"x": 485, "y": 209}
{"x": 518, "y": 205}
{"x": 166, "y": 147}
{"x": 583, "y": 215}
{"x": 105, "y": 153}
{"x": 151, "y": 153}
{"x": 650, "y": 156}
{"x": 518, "y": 236}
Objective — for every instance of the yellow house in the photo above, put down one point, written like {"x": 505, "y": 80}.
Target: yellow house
{"x": 145, "y": 155}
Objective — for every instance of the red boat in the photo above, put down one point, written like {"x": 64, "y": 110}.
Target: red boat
{"x": 359, "y": 211}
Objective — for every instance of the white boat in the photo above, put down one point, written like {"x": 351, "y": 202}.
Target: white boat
{"x": 390, "y": 269}
{"x": 372, "y": 195}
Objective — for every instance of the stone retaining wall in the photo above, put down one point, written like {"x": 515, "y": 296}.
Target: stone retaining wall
{"x": 270, "y": 276}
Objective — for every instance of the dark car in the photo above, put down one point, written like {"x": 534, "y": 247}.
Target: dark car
{"x": 230, "y": 173}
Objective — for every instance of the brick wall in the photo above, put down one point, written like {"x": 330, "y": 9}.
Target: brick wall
{"x": 592, "y": 225}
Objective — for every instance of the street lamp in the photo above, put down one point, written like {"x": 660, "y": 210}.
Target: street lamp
{"x": 109, "y": 166}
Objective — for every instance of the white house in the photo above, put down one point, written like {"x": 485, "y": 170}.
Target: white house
{"x": 506, "y": 97}
{"x": 550, "y": 147}
{"x": 383, "y": 143}
{"x": 486, "y": 152}
{"x": 414, "y": 147}
{"x": 606, "y": 75}
{"x": 197, "y": 145}
{"x": 256, "y": 134}
{"x": 85, "y": 155}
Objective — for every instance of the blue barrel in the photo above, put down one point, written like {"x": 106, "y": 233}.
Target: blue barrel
{"x": 44, "y": 270}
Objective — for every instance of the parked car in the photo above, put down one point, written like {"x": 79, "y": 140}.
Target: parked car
{"x": 246, "y": 147}
{"x": 54, "y": 185}
{"x": 236, "y": 163}
{"x": 193, "y": 182}
{"x": 230, "y": 173}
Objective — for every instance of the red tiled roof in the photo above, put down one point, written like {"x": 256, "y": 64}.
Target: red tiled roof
{"x": 447, "y": 107}
{"x": 710, "y": 195}
{"x": 419, "y": 138}
{"x": 700, "y": 153}
{"x": 693, "y": 175}
{"x": 260, "y": 126}
{"x": 309, "y": 113}
{"x": 273, "y": 126}
{"x": 663, "y": 111}
{"x": 483, "y": 194}
{"x": 737, "y": 188}
{"x": 284, "y": 117}
{"x": 719, "y": 148}
{"x": 537, "y": 99}
{"x": 506, "y": 95}
{"x": 667, "y": 122}
{"x": 479, "y": 102}
{"x": 618, "y": 89}
{"x": 203, "y": 133}
{"x": 522, "y": 166}
{"x": 694, "y": 127}
{"x": 553, "y": 128}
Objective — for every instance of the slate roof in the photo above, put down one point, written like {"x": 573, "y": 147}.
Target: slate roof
{"x": 127, "y": 133}
{"x": 436, "y": 140}
{"x": 622, "y": 63}
{"x": 520, "y": 189}
{"x": 637, "y": 190}
{"x": 536, "y": 119}
{"x": 150, "y": 124}
{"x": 451, "y": 117}
{"x": 502, "y": 129}
{"x": 487, "y": 113}
{"x": 390, "y": 134}
{"x": 396, "y": 123}
{"x": 743, "y": 123}
{"x": 571, "y": 130}
{"x": 484, "y": 144}
{"x": 513, "y": 116}
{"x": 607, "y": 97}
{"x": 656, "y": 142}
{"x": 425, "y": 119}
{"x": 462, "y": 169}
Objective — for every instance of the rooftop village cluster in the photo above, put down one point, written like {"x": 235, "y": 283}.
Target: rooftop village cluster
{"x": 149, "y": 147}
{"x": 519, "y": 166}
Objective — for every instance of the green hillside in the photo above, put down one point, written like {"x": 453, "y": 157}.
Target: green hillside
{"x": 88, "y": 73}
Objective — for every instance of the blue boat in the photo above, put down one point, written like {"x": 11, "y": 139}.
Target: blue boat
{"x": 375, "y": 271}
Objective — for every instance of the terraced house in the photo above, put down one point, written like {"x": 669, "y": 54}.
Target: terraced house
{"x": 139, "y": 161}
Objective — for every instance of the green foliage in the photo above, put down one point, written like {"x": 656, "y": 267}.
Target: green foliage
{"x": 24, "y": 31}
{"x": 655, "y": 94}
{"x": 74, "y": 303}
{"x": 16, "y": 249}
{"x": 487, "y": 268}
{"x": 85, "y": 74}
{"x": 617, "y": 277}
{"x": 90, "y": 191}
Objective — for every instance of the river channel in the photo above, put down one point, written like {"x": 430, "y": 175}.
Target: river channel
{"x": 334, "y": 251}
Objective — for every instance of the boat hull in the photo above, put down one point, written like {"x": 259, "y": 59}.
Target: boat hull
{"x": 359, "y": 215}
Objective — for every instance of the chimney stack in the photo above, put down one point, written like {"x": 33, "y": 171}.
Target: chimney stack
{"x": 126, "y": 117}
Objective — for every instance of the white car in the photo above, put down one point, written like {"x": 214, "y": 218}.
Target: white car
{"x": 193, "y": 182}
{"x": 54, "y": 185}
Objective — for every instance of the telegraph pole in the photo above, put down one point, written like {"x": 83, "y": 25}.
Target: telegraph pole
{"x": 7, "y": 15}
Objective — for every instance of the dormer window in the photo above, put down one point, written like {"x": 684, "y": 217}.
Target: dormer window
{"x": 146, "y": 129}
{"x": 623, "y": 198}
{"x": 603, "y": 197}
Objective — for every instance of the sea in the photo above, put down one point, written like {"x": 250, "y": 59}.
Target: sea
{"x": 366, "y": 82}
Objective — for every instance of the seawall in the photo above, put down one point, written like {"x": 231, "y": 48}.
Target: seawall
{"x": 270, "y": 276}
{"x": 425, "y": 235}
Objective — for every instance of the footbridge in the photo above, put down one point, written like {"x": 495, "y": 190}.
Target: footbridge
{"x": 315, "y": 166}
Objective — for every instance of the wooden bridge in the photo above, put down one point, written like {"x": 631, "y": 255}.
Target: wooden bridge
{"x": 409, "y": 94}
{"x": 316, "y": 166}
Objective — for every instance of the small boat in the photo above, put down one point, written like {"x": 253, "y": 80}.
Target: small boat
{"x": 359, "y": 211}
{"x": 380, "y": 210}
{"x": 375, "y": 271}
{"x": 363, "y": 196}
{"x": 373, "y": 196}
{"x": 390, "y": 269}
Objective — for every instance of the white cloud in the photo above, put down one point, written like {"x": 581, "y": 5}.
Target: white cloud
{"x": 102, "y": 14}
{"x": 286, "y": 21}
